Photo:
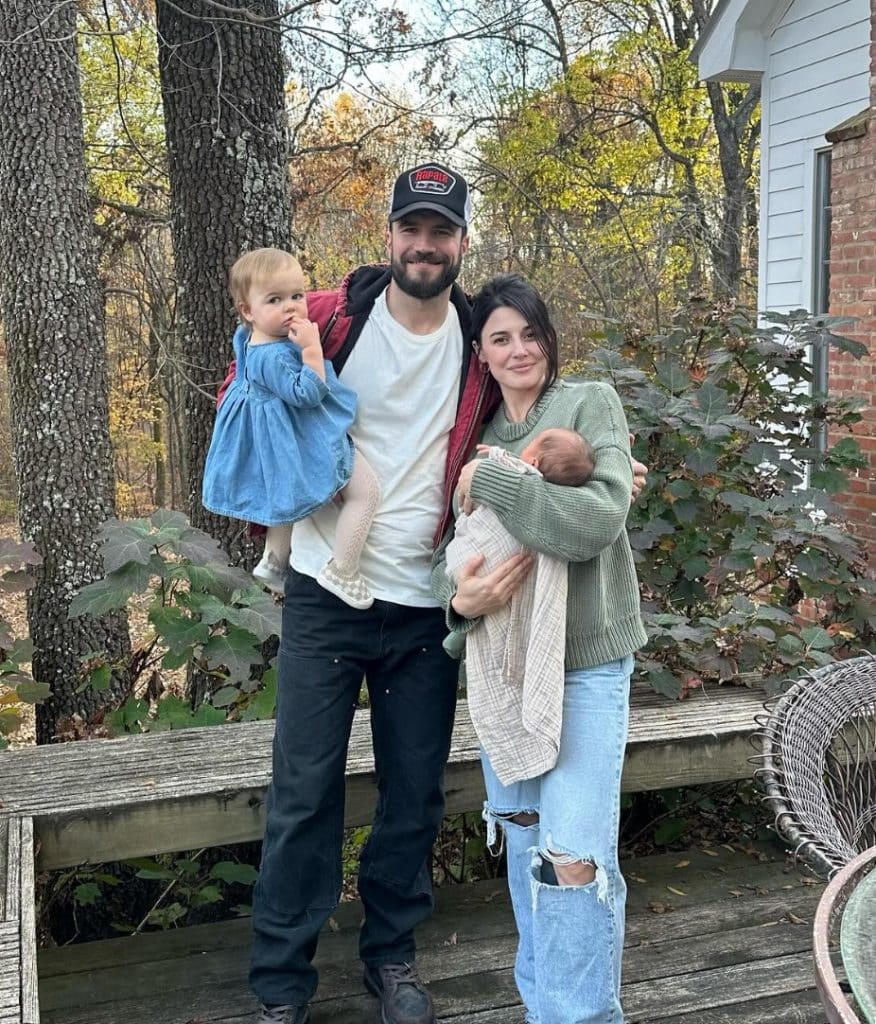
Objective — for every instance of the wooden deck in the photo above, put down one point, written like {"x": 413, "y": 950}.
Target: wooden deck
{"x": 713, "y": 937}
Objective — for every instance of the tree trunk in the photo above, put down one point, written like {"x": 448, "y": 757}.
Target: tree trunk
{"x": 222, "y": 86}
{"x": 52, "y": 306}
{"x": 738, "y": 132}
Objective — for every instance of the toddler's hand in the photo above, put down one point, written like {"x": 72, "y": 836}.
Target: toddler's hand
{"x": 305, "y": 333}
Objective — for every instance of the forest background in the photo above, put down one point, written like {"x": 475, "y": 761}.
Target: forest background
{"x": 144, "y": 145}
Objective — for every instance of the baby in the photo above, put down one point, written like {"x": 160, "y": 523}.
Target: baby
{"x": 560, "y": 455}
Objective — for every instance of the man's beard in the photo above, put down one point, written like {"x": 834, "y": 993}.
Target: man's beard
{"x": 425, "y": 288}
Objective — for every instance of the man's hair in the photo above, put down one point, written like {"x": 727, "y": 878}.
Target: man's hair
{"x": 565, "y": 457}
{"x": 255, "y": 266}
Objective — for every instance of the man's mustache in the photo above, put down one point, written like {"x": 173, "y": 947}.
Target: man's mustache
{"x": 425, "y": 258}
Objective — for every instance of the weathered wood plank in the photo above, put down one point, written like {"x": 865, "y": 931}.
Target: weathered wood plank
{"x": 10, "y": 871}
{"x": 788, "y": 1008}
{"x": 109, "y": 799}
{"x": 670, "y": 998}
{"x": 19, "y": 1000}
{"x": 30, "y": 1005}
{"x": 466, "y": 951}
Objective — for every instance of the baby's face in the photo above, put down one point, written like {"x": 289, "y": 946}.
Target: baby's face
{"x": 274, "y": 301}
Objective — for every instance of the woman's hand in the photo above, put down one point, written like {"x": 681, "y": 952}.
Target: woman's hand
{"x": 464, "y": 486}
{"x": 480, "y": 595}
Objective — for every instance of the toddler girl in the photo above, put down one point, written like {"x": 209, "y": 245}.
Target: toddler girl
{"x": 280, "y": 446}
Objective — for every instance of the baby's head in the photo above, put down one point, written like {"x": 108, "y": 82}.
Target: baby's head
{"x": 562, "y": 456}
{"x": 261, "y": 281}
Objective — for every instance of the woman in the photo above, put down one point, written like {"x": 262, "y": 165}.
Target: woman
{"x": 561, "y": 828}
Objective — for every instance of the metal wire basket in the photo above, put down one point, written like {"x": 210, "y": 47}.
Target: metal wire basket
{"x": 817, "y": 763}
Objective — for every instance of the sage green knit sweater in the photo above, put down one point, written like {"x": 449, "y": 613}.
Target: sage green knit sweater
{"x": 582, "y": 525}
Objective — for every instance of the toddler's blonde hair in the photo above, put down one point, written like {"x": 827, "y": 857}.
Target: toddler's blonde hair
{"x": 255, "y": 266}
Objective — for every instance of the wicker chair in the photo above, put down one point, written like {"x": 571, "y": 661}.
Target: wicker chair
{"x": 817, "y": 768}
{"x": 818, "y": 763}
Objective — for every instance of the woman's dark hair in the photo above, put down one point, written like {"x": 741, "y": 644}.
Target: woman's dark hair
{"x": 512, "y": 290}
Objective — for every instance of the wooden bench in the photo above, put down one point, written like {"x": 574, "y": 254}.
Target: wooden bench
{"x": 109, "y": 799}
{"x": 19, "y": 1002}
{"x": 105, "y": 800}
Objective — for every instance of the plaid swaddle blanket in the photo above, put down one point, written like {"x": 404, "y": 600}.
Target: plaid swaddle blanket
{"x": 515, "y": 657}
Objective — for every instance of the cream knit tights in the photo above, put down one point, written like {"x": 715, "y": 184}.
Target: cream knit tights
{"x": 360, "y": 498}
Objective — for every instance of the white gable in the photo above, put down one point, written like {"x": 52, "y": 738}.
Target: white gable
{"x": 733, "y": 46}
{"x": 814, "y": 60}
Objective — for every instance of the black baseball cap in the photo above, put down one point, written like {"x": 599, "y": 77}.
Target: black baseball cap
{"x": 431, "y": 187}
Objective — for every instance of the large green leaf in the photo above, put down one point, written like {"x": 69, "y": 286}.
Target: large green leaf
{"x": 32, "y": 692}
{"x": 125, "y": 542}
{"x": 16, "y": 581}
{"x": 672, "y": 374}
{"x": 216, "y": 578}
{"x": 207, "y": 606}
{"x": 236, "y": 651}
{"x": 261, "y": 615}
{"x": 177, "y": 630}
{"x": 113, "y": 591}
{"x": 701, "y": 461}
{"x": 818, "y": 638}
{"x": 21, "y": 650}
{"x": 264, "y": 703}
{"x": 16, "y": 553}
{"x": 165, "y": 518}
{"x": 200, "y": 547}
{"x": 229, "y": 871}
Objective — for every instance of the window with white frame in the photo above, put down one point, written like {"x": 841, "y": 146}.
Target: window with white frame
{"x": 821, "y": 273}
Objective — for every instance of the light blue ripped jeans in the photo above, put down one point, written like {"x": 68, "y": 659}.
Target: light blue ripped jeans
{"x": 568, "y": 963}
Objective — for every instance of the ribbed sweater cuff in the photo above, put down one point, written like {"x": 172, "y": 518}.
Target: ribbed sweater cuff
{"x": 495, "y": 485}
{"x": 457, "y": 623}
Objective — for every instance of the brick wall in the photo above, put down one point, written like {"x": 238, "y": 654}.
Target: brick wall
{"x": 853, "y": 288}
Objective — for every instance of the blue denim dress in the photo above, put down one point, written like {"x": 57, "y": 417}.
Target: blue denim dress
{"x": 280, "y": 446}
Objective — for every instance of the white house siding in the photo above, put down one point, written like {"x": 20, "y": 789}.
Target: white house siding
{"x": 817, "y": 75}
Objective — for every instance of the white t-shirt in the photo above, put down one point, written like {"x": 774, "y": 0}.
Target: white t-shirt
{"x": 408, "y": 388}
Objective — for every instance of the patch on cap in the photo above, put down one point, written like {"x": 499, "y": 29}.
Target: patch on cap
{"x": 431, "y": 180}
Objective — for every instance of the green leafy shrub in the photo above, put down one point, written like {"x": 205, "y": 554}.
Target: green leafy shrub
{"x": 204, "y": 615}
{"x": 144, "y": 894}
{"x": 737, "y": 526}
{"x": 17, "y": 686}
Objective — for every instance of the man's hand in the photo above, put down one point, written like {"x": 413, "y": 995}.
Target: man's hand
{"x": 464, "y": 486}
{"x": 480, "y": 595}
{"x": 640, "y": 474}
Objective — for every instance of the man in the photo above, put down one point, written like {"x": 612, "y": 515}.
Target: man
{"x": 398, "y": 336}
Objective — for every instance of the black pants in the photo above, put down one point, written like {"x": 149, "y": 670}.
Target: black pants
{"x": 325, "y": 651}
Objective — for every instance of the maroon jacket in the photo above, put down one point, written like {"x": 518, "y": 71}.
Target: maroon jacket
{"x": 342, "y": 314}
